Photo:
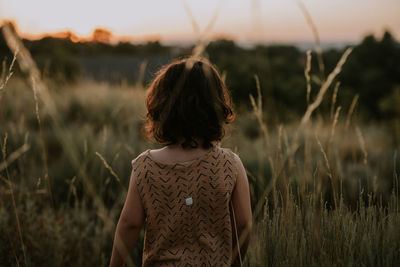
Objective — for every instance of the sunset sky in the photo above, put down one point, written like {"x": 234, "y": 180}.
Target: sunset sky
{"x": 246, "y": 21}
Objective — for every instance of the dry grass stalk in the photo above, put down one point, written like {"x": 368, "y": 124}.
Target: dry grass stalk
{"x": 202, "y": 42}
{"x": 317, "y": 41}
{"x": 213, "y": 19}
{"x": 200, "y": 47}
{"x": 307, "y": 166}
{"x": 335, "y": 120}
{"x": 142, "y": 70}
{"x": 193, "y": 21}
{"x": 329, "y": 170}
{"x": 362, "y": 145}
{"x": 351, "y": 110}
{"x": 4, "y": 79}
{"x": 72, "y": 190}
{"x": 14, "y": 156}
{"x": 43, "y": 147}
{"x": 4, "y": 152}
{"x": 324, "y": 88}
{"x": 307, "y": 75}
{"x": 238, "y": 239}
{"x": 375, "y": 185}
{"x": 396, "y": 180}
{"x": 334, "y": 98}
{"x": 3, "y": 71}
{"x": 361, "y": 142}
{"x": 108, "y": 167}
{"x": 280, "y": 132}
{"x": 258, "y": 111}
{"x": 280, "y": 159}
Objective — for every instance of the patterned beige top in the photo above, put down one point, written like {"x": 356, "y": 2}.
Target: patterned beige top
{"x": 188, "y": 220}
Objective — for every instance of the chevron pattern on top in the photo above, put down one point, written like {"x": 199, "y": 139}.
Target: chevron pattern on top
{"x": 177, "y": 234}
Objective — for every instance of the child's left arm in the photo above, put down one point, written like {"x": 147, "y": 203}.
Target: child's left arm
{"x": 129, "y": 225}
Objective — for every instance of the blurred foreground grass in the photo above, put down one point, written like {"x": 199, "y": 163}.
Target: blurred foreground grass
{"x": 333, "y": 202}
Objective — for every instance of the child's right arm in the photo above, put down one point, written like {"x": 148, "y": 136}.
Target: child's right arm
{"x": 242, "y": 212}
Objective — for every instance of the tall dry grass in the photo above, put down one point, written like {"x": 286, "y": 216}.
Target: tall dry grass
{"x": 297, "y": 220}
{"x": 321, "y": 208}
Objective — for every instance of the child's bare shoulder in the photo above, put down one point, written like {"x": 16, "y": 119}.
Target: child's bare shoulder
{"x": 140, "y": 158}
{"x": 234, "y": 159}
{"x": 231, "y": 154}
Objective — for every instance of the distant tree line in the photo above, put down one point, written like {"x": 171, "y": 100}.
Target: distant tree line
{"x": 372, "y": 70}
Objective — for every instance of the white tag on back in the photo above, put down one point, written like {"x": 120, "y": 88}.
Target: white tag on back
{"x": 189, "y": 201}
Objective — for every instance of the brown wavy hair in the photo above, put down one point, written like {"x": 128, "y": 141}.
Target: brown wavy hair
{"x": 188, "y": 103}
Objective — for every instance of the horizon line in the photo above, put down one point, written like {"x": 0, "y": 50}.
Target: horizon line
{"x": 105, "y": 35}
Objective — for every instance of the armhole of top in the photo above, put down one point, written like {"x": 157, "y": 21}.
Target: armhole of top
{"x": 234, "y": 157}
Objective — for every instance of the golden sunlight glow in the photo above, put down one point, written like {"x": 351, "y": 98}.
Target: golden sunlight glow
{"x": 253, "y": 20}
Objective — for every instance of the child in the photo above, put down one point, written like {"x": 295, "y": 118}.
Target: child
{"x": 191, "y": 196}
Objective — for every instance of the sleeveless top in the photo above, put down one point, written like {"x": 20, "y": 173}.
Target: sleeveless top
{"x": 187, "y": 209}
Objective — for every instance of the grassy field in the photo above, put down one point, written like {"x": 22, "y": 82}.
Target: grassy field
{"x": 332, "y": 201}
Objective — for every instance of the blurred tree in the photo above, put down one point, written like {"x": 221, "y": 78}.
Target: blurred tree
{"x": 56, "y": 58}
{"x": 101, "y": 35}
{"x": 390, "y": 105}
{"x": 125, "y": 48}
{"x": 373, "y": 71}
{"x": 279, "y": 68}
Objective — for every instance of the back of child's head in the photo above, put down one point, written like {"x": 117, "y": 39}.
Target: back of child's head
{"x": 188, "y": 104}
